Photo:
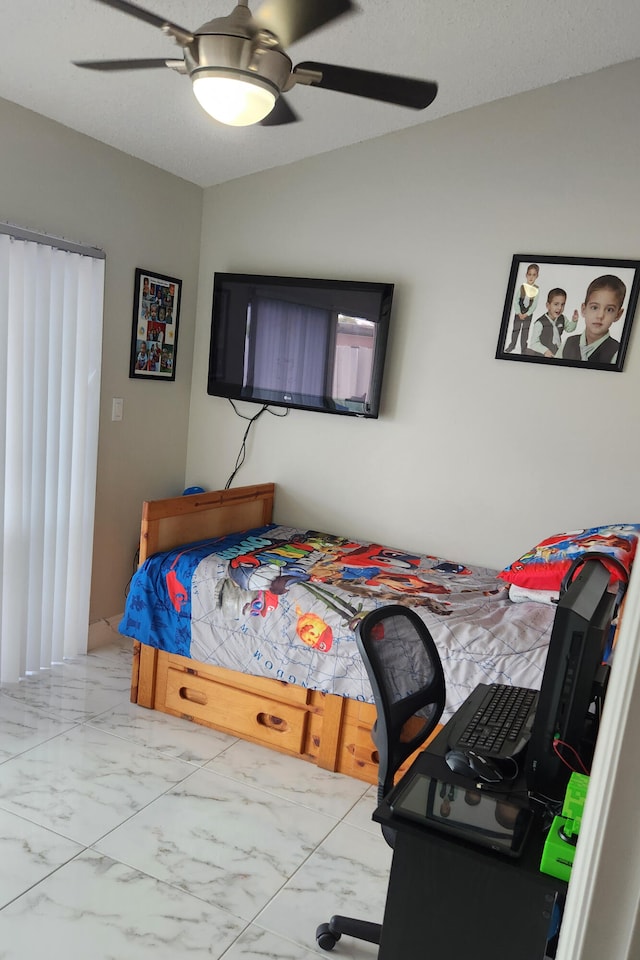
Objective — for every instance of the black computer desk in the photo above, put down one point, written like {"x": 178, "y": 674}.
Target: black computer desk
{"x": 448, "y": 897}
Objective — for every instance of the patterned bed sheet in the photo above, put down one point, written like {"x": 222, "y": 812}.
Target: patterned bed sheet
{"x": 282, "y": 603}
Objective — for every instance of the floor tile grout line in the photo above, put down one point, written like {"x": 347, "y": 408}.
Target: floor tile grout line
{"x": 193, "y": 764}
{"x": 143, "y": 873}
{"x": 53, "y": 871}
{"x": 247, "y": 923}
{"x": 91, "y": 723}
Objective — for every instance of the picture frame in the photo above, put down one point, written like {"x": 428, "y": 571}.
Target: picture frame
{"x": 590, "y": 329}
{"x": 154, "y": 338}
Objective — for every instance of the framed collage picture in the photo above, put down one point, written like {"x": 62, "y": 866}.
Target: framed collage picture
{"x": 154, "y": 338}
{"x": 569, "y": 311}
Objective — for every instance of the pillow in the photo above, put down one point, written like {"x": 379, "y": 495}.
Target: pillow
{"x": 544, "y": 566}
{"x": 524, "y": 594}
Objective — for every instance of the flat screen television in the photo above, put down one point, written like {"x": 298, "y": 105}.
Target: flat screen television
{"x": 299, "y": 342}
{"x": 563, "y": 721}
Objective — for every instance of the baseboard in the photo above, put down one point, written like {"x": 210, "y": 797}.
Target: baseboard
{"x": 103, "y": 632}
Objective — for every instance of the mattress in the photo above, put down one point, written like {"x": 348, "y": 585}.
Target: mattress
{"x": 283, "y": 603}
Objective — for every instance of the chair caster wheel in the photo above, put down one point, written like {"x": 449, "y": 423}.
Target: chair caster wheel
{"x": 325, "y": 939}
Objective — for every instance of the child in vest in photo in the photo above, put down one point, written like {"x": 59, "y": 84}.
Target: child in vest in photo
{"x": 546, "y": 333}
{"x": 523, "y": 308}
{"x": 601, "y": 308}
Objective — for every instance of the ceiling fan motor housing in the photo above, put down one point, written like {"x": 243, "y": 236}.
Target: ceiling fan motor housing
{"x": 237, "y": 46}
{"x": 222, "y": 55}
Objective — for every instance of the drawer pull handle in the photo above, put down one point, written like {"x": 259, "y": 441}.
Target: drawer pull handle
{"x": 273, "y": 723}
{"x": 362, "y": 754}
{"x": 193, "y": 696}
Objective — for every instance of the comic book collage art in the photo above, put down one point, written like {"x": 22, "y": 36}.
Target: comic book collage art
{"x": 155, "y": 326}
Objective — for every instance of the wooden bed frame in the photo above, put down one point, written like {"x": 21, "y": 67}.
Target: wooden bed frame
{"x": 325, "y": 729}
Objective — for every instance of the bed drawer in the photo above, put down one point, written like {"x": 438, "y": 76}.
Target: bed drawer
{"x": 280, "y": 725}
{"x": 326, "y": 730}
{"x": 242, "y": 681}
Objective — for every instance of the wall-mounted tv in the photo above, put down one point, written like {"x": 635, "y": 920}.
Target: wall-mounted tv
{"x": 299, "y": 342}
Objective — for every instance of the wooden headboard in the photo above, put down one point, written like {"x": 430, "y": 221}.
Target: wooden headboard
{"x": 177, "y": 520}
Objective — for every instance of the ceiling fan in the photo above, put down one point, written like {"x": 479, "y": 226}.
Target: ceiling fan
{"x": 240, "y": 70}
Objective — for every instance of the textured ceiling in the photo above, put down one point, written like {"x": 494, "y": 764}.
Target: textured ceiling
{"x": 477, "y": 51}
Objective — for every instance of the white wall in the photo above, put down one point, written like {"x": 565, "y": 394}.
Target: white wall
{"x": 59, "y": 182}
{"x": 474, "y": 458}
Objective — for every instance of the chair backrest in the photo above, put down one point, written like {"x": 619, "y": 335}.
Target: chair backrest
{"x": 408, "y": 685}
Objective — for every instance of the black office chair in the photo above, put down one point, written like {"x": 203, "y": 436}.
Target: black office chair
{"x": 406, "y": 676}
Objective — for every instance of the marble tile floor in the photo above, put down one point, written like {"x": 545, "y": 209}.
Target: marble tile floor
{"x": 126, "y": 834}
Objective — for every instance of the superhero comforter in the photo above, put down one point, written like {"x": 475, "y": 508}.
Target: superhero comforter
{"x": 283, "y": 603}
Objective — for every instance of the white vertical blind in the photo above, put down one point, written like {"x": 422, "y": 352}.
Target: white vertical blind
{"x": 51, "y": 303}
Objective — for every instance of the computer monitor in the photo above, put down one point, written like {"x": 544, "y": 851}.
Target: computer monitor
{"x": 561, "y": 729}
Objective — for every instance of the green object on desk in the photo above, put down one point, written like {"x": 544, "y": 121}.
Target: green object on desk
{"x": 574, "y": 799}
{"x": 560, "y": 845}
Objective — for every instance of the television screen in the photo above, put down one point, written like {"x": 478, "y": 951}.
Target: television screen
{"x": 298, "y": 342}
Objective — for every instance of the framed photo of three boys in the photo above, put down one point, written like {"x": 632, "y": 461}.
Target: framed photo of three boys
{"x": 569, "y": 311}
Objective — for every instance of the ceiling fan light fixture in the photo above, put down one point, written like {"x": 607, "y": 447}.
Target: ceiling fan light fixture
{"x": 240, "y": 70}
{"x": 235, "y": 99}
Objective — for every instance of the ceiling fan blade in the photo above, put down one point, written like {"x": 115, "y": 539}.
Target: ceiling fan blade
{"x": 108, "y": 65}
{"x": 403, "y": 91}
{"x": 292, "y": 19}
{"x": 281, "y": 114}
{"x": 148, "y": 17}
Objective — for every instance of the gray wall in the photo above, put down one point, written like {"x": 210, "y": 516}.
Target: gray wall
{"x": 474, "y": 458}
{"x": 59, "y": 182}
